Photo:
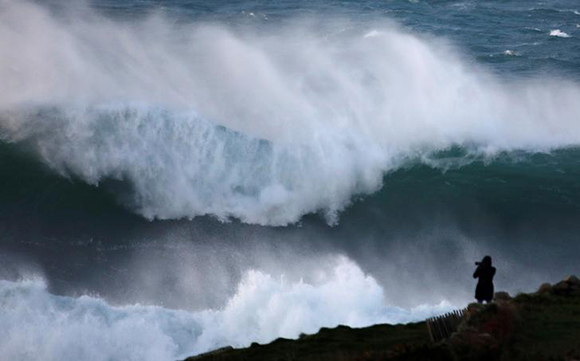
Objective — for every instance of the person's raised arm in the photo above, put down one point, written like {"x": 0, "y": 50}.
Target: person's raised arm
{"x": 476, "y": 273}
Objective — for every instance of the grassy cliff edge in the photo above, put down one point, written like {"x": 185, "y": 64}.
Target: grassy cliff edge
{"x": 544, "y": 325}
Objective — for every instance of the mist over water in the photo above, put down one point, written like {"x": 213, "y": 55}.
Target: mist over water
{"x": 264, "y": 127}
{"x": 63, "y": 328}
{"x": 197, "y": 170}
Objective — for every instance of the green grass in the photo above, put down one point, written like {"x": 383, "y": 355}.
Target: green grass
{"x": 528, "y": 327}
{"x": 549, "y": 325}
{"x": 340, "y": 343}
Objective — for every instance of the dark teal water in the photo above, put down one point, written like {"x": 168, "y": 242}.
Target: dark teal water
{"x": 483, "y": 30}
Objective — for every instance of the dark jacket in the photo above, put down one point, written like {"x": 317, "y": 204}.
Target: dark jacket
{"x": 484, "y": 289}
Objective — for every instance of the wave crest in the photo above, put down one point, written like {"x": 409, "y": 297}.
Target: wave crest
{"x": 263, "y": 125}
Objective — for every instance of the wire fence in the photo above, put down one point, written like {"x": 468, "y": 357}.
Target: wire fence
{"x": 441, "y": 327}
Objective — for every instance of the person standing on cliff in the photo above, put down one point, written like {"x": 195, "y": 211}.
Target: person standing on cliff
{"x": 485, "y": 273}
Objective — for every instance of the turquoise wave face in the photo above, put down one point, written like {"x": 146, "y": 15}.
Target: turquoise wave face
{"x": 510, "y": 185}
{"x": 263, "y": 124}
{"x": 520, "y": 207}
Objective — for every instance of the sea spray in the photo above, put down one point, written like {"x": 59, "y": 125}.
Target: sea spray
{"x": 37, "y": 324}
{"x": 261, "y": 126}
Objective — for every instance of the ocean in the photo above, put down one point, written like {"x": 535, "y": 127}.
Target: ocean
{"x": 177, "y": 176}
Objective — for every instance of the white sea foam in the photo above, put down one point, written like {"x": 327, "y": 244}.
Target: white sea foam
{"x": 559, "y": 33}
{"x": 35, "y": 324}
{"x": 372, "y": 33}
{"x": 311, "y": 119}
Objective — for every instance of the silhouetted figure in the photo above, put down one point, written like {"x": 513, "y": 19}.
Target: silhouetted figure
{"x": 485, "y": 273}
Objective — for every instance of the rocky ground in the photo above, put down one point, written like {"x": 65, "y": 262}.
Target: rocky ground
{"x": 544, "y": 325}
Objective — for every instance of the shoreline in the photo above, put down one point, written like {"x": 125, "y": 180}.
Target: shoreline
{"x": 530, "y": 326}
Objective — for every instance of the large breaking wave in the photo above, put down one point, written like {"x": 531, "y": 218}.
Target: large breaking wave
{"x": 36, "y": 324}
{"x": 264, "y": 125}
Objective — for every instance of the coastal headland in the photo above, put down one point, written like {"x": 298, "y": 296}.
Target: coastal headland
{"x": 544, "y": 325}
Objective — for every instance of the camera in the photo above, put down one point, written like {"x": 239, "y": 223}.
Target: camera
{"x": 477, "y": 263}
